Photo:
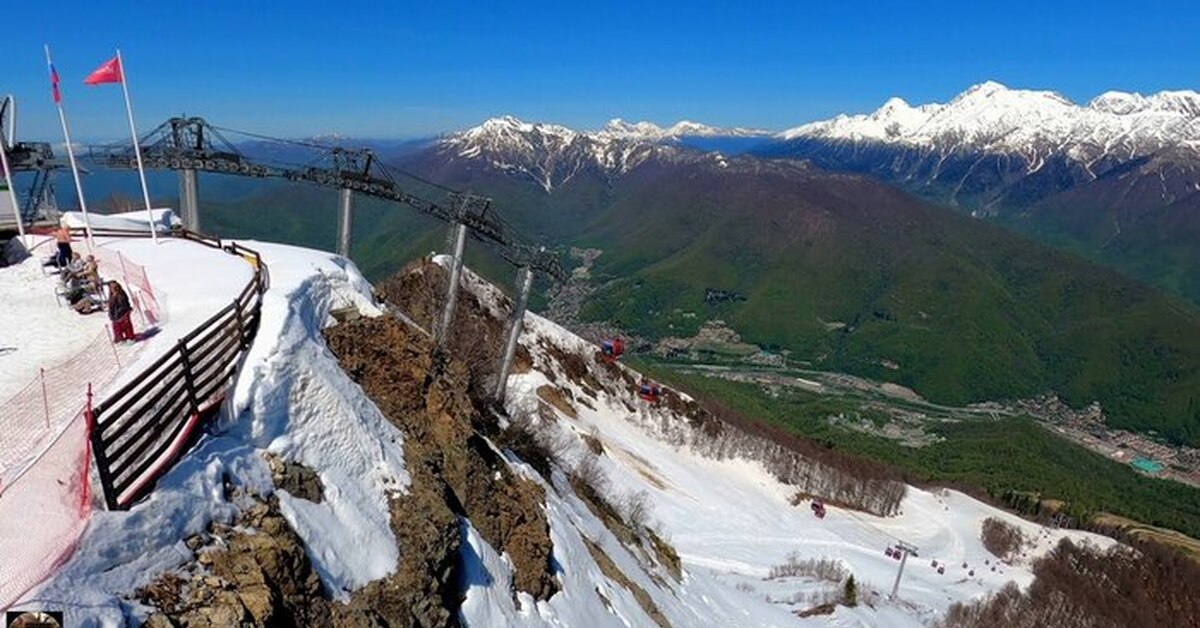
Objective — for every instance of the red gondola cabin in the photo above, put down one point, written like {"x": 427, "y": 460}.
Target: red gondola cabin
{"x": 649, "y": 391}
{"x": 612, "y": 348}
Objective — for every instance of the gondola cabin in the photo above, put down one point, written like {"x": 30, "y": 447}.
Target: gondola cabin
{"x": 612, "y": 349}
{"x": 649, "y": 391}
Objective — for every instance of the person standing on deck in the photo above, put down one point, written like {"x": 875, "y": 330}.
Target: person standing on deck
{"x": 62, "y": 236}
{"x": 119, "y": 312}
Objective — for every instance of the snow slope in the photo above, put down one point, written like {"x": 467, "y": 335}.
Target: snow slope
{"x": 731, "y": 521}
{"x": 291, "y": 399}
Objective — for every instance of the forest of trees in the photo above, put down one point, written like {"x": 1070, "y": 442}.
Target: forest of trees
{"x": 1080, "y": 586}
{"x": 815, "y": 471}
{"x": 1001, "y": 539}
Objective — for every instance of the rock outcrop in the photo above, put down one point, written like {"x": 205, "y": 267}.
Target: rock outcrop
{"x": 255, "y": 573}
{"x": 425, "y": 393}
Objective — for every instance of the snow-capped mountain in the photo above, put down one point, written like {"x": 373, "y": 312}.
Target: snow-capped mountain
{"x": 993, "y": 148}
{"x": 1117, "y": 178}
{"x": 1030, "y": 124}
{"x": 682, "y": 129}
{"x": 552, "y": 154}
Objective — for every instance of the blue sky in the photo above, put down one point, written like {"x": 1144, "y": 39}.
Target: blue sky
{"x": 392, "y": 69}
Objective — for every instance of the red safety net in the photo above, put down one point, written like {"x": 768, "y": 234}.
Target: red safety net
{"x": 114, "y": 265}
{"x": 44, "y": 510}
{"x": 34, "y": 416}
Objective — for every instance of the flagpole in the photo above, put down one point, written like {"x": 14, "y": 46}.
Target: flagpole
{"x": 62, "y": 117}
{"x": 12, "y": 193}
{"x": 137, "y": 150}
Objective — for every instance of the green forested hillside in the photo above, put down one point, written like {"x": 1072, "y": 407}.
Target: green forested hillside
{"x": 839, "y": 271}
{"x": 855, "y": 276}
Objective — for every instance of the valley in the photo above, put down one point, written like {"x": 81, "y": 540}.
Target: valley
{"x": 836, "y": 270}
{"x": 895, "y": 413}
{"x": 927, "y": 314}
{"x": 991, "y": 450}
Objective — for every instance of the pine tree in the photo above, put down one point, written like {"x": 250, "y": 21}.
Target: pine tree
{"x": 850, "y": 592}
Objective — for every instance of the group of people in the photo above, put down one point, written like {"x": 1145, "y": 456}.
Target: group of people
{"x": 86, "y": 292}
{"x": 81, "y": 282}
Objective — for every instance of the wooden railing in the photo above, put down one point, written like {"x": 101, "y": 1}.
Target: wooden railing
{"x": 143, "y": 428}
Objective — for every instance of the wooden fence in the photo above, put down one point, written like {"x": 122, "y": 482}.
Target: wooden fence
{"x": 143, "y": 428}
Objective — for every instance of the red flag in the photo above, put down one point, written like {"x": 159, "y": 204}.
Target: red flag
{"x": 108, "y": 72}
{"x": 54, "y": 85}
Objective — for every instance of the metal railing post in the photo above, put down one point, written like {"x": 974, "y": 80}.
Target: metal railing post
{"x": 241, "y": 324}
{"x": 100, "y": 456}
{"x": 188, "y": 376}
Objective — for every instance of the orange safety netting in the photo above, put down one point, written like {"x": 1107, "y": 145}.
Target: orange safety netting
{"x": 44, "y": 511}
{"x": 36, "y": 414}
{"x": 114, "y": 265}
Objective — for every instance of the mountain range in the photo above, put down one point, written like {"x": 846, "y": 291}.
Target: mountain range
{"x": 838, "y": 270}
{"x": 860, "y": 267}
{"x": 1114, "y": 180}
{"x": 1031, "y": 126}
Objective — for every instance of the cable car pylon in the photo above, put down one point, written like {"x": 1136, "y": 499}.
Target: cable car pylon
{"x": 905, "y": 549}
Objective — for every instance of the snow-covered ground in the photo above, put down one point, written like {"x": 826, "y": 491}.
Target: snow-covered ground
{"x": 291, "y": 399}
{"x": 192, "y": 282}
{"x": 730, "y": 521}
{"x": 163, "y": 218}
{"x": 34, "y": 331}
